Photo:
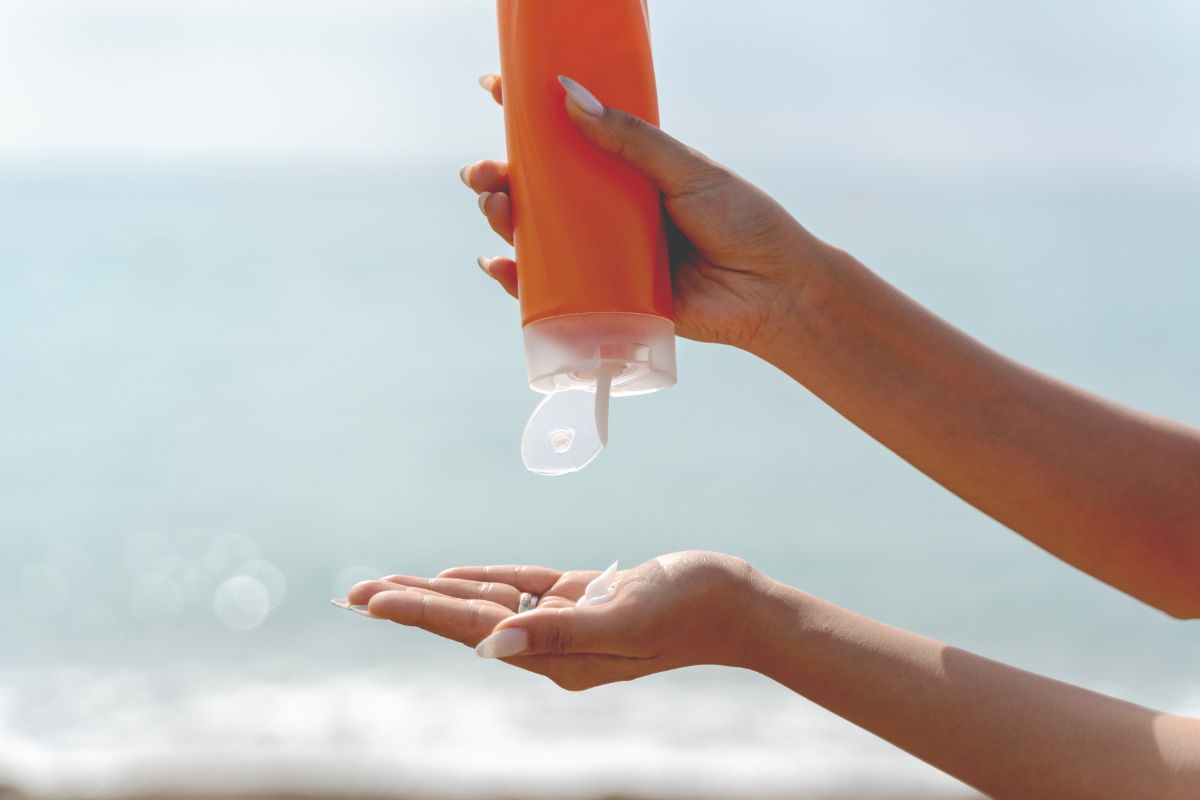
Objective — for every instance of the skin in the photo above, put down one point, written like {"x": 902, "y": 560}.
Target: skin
{"x": 1007, "y": 732}
{"x": 1113, "y": 491}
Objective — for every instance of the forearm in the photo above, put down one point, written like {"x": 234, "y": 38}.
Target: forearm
{"x": 1005, "y": 731}
{"x": 1111, "y": 490}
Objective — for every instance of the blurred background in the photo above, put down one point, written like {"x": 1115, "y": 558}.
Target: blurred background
{"x": 246, "y": 359}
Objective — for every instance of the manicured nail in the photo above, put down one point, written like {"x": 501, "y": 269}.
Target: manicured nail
{"x": 487, "y": 81}
{"x": 362, "y": 611}
{"x": 502, "y": 644}
{"x": 462, "y": 174}
{"x": 483, "y": 198}
{"x": 483, "y": 265}
{"x": 586, "y": 101}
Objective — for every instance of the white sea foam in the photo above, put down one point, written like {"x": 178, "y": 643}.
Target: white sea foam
{"x": 70, "y": 732}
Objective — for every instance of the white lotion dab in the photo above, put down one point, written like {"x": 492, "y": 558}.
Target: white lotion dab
{"x": 600, "y": 589}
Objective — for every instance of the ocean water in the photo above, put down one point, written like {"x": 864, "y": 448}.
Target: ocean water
{"x": 228, "y": 393}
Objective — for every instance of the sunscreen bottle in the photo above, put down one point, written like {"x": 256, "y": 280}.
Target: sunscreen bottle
{"x": 591, "y": 248}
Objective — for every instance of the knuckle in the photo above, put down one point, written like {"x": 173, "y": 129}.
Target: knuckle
{"x": 474, "y": 617}
{"x": 700, "y": 176}
{"x": 629, "y": 127}
{"x": 558, "y": 641}
{"x": 630, "y": 123}
{"x": 572, "y": 577}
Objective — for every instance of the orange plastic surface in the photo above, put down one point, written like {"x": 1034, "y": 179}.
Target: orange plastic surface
{"x": 589, "y": 231}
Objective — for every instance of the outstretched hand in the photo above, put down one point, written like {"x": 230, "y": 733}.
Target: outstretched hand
{"x": 672, "y": 611}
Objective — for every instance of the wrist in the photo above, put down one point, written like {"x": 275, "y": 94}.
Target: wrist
{"x": 806, "y": 294}
{"x": 775, "y": 621}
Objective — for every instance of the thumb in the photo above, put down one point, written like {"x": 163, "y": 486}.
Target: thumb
{"x": 671, "y": 165}
{"x": 553, "y": 631}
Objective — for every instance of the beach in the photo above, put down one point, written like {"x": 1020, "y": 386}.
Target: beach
{"x": 247, "y": 359}
{"x": 432, "y": 727}
{"x": 239, "y": 407}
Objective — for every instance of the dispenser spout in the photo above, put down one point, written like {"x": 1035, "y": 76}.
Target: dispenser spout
{"x": 603, "y": 391}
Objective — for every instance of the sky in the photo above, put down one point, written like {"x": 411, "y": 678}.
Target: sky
{"x": 925, "y": 85}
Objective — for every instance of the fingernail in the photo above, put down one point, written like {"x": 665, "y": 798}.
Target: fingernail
{"x": 502, "y": 644}
{"x": 483, "y": 265}
{"x": 487, "y": 81}
{"x": 360, "y": 610}
{"x": 462, "y": 174}
{"x": 483, "y": 198}
{"x": 341, "y": 602}
{"x": 586, "y": 101}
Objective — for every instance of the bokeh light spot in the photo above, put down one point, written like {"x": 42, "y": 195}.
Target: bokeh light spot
{"x": 242, "y": 602}
{"x": 269, "y": 576}
{"x": 228, "y": 550}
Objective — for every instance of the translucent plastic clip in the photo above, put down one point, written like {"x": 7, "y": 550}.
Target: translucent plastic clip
{"x": 568, "y": 429}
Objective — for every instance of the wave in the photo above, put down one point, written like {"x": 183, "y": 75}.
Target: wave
{"x": 111, "y": 733}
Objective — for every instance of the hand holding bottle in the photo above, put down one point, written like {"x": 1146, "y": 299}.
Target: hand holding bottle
{"x": 739, "y": 260}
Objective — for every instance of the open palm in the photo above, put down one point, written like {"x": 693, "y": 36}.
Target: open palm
{"x": 672, "y": 611}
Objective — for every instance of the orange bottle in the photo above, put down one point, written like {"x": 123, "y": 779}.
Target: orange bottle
{"x": 591, "y": 247}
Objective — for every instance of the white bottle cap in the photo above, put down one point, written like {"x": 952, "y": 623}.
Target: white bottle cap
{"x": 578, "y": 360}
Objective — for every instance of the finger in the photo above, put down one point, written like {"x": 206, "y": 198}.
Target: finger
{"x": 361, "y": 593}
{"x": 558, "y": 631}
{"x": 485, "y": 176}
{"x": 535, "y": 580}
{"x": 572, "y": 583}
{"x": 502, "y": 270}
{"x": 675, "y": 168}
{"x": 553, "y": 601}
{"x": 466, "y": 621}
{"x": 497, "y": 207}
{"x": 491, "y": 85}
{"x": 499, "y": 593}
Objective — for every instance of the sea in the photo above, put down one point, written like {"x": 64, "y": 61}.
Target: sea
{"x": 228, "y": 392}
